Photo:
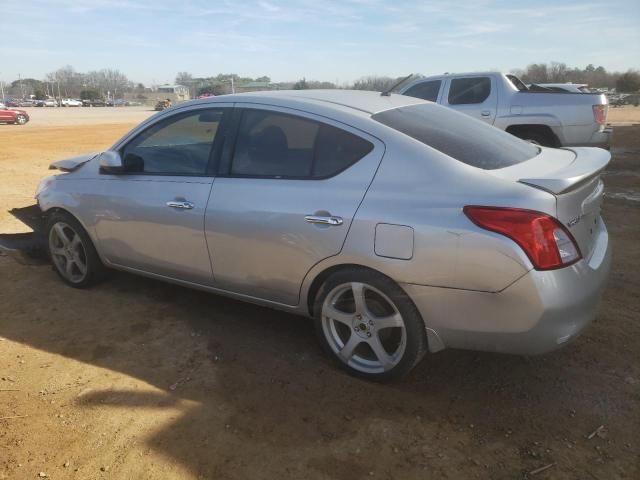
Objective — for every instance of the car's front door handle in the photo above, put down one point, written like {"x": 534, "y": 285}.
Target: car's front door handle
{"x": 180, "y": 204}
{"x": 485, "y": 113}
{"x": 324, "y": 220}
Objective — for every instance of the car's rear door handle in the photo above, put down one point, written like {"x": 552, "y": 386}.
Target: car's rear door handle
{"x": 324, "y": 220}
{"x": 180, "y": 204}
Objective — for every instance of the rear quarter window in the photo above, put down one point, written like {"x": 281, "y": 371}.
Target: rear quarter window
{"x": 459, "y": 136}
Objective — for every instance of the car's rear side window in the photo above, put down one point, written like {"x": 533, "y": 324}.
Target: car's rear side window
{"x": 278, "y": 145}
{"x": 464, "y": 91}
{"x": 425, "y": 90}
{"x": 455, "y": 134}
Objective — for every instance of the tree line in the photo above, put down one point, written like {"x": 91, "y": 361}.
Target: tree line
{"x": 68, "y": 83}
{"x": 595, "y": 77}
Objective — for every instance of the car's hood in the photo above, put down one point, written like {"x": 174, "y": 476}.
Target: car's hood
{"x": 73, "y": 163}
{"x": 17, "y": 110}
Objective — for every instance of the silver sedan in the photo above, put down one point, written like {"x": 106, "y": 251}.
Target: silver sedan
{"x": 399, "y": 226}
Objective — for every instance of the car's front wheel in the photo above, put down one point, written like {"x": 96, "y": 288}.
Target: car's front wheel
{"x": 369, "y": 325}
{"x": 21, "y": 120}
{"x": 72, "y": 253}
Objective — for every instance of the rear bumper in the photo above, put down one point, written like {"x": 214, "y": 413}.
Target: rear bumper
{"x": 540, "y": 312}
{"x": 601, "y": 139}
{"x": 584, "y": 136}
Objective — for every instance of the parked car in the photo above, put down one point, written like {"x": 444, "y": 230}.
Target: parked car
{"x": 93, "y": 103}
{"x": 13, "y": 115}
{"x": 13, "y": 102}
{"x": 539, "y": 115}
{"x": 400, "y": 226}
{"x": 71, "y": 102}
{"x": 49, "y": 102}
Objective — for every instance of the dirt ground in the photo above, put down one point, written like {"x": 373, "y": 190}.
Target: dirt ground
{"x": 139, "y": 379}
{"x": 624, "y": 114}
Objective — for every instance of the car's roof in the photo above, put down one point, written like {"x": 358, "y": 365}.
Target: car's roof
{"x": 364, "y": 101}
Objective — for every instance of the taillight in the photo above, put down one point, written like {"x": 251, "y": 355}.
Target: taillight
{"x": 547, "y": 243}
{"x": 600, "y": 113}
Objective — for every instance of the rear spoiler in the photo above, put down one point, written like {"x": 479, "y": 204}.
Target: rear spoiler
{"x": 588, "y": 164}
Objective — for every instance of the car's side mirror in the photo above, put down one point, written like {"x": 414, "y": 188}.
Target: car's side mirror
{"x": 111, "y": 163}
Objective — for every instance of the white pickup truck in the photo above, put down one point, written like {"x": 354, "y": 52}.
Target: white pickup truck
{"x": 554, "y": 119}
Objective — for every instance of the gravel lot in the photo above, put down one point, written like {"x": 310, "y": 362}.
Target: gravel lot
{"x": 139, "y": 379}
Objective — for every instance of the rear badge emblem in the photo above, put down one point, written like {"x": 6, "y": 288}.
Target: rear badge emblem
{"x": 574, "y": 221}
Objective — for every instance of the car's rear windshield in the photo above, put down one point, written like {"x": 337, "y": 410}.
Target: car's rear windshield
{"x": 455, "y": 134}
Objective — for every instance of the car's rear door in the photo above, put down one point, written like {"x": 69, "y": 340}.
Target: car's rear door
{"x": 151, "y": 218}
{"x": 474, "y": 95}
{"x": 286, "y": 192}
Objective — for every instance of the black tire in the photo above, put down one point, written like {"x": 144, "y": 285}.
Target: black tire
{"x": 415, "y": 338}
{"x": 95, "y": 270}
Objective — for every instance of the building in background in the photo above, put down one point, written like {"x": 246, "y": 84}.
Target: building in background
{"x": 180, "y": 91}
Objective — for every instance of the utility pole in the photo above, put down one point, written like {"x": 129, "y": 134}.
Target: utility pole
{"x": 233, "y": 89}
{"x": 21, "y": 89}
{"x": 2, "y": 89}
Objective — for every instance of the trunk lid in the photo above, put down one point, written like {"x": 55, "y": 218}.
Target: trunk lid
{"x": 572, "y": 175}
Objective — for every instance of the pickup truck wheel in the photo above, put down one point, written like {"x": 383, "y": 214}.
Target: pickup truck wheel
{"x": 20, "y": 120}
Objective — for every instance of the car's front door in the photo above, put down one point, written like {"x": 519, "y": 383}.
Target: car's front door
{"x": 474, "y": 95}
{"x": 284, "y": 199}
{"x": 151, "y": 217}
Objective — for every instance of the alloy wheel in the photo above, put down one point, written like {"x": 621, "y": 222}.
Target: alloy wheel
{"x": 364, "y": 328}
{"x": 67, "y": 252}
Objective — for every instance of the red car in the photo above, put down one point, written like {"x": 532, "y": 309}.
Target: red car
{"x": 13, "y": 115}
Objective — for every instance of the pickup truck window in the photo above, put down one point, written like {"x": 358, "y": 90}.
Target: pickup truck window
{"x": 458, "y": 136}
{"x": 425, "y": 90}
{"x": 469, "y": 90}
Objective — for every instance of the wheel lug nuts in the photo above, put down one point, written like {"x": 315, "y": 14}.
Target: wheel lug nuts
{"x": 368, "y": 334}
{"x": 370, "y": 322}
{"x": 359, "y": 317}
{"x": 356, "y": 329}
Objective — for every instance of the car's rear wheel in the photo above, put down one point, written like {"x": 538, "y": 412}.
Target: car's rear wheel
{"x": 369, "y": 325}
{"x": 21, "y": 120}
{"x": 72, "y": 253}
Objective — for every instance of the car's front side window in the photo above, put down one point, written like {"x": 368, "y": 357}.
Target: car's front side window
{"x": 179, "y": 145}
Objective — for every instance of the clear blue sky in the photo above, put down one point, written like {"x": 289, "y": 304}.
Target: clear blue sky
{"x": 335, "y": 40}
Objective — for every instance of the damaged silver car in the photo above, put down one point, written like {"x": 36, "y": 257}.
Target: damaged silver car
{"x": 401, "y": 227}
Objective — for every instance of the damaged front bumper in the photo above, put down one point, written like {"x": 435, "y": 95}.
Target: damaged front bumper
{"x": 27, "y": 248}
